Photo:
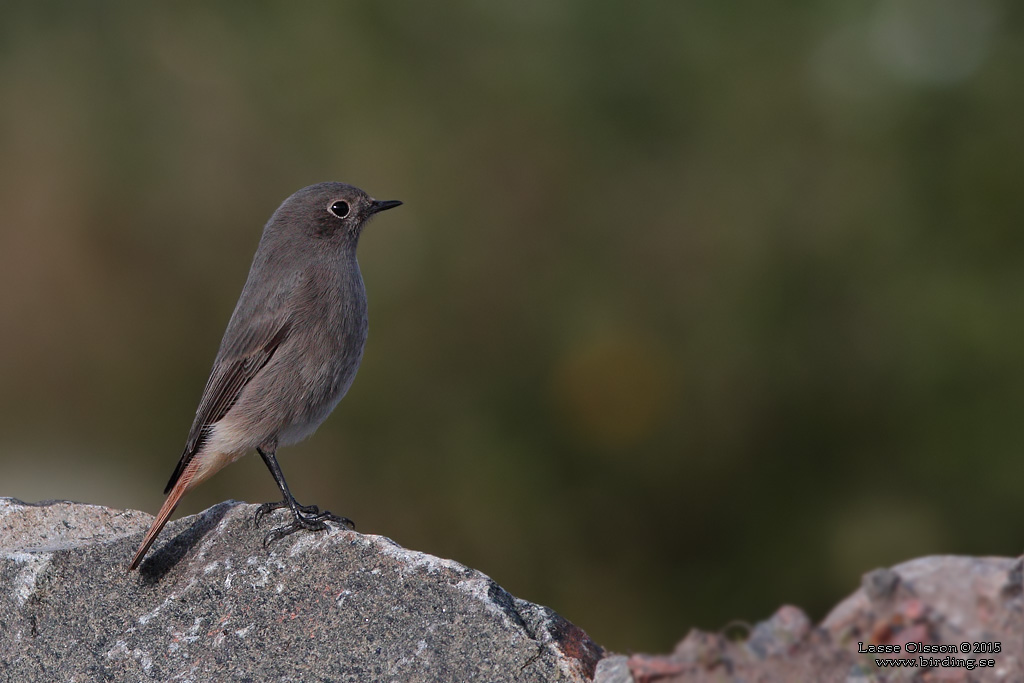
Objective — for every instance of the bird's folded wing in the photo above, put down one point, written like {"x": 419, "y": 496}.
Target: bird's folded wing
{"x": 234, "y": 368}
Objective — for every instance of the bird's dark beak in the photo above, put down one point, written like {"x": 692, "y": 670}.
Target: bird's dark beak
{"x": 383, "y": 205}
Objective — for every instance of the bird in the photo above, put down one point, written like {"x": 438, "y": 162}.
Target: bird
{"x": 290, "y": 351}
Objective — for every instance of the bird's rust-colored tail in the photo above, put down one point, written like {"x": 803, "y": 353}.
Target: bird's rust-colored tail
{"x": 173, "y": 498}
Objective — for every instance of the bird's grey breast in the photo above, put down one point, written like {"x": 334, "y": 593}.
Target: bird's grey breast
{"x": 329, "y": 334}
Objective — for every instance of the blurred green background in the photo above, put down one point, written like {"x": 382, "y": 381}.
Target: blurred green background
{"x": 693, "y": 309}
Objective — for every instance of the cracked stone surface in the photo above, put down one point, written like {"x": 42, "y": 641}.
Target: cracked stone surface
{"x": 210, "y": 603}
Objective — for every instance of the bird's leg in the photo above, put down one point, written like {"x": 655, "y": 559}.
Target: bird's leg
{"x": 305, "y": 516}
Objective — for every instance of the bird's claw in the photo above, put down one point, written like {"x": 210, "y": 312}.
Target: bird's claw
{"x": 307, "y": 517}
{"x": 266, "y": 508}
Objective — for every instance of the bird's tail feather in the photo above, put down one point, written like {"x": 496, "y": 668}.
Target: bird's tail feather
{"x": 180, "y": 487}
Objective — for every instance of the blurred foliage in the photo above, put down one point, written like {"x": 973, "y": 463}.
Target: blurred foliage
{"x": 693, "y": 309}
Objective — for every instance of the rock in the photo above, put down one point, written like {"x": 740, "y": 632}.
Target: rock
{"x": 210, "y": 603}
{"x": 613, "y": 669}
{"x": 943, "y": 600}
{"x": 935, "y": 601}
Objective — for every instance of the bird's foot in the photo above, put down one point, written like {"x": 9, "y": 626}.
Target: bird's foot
{"x": 267, "y": 508}
{"x": 308, "y": 517}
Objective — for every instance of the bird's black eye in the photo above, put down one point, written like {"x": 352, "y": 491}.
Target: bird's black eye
{"x": 339, "y": 209}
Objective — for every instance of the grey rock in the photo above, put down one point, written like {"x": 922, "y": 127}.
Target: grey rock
{"x": 613, "y": 669}
{"x": 777, "y": 636}
{"x": 212, "y": 604}
{"x": 880, "y": 584}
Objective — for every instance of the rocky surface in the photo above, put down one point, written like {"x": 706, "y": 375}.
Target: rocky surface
{"x": 210, "y": 603}
{"x": 972, "y": 605}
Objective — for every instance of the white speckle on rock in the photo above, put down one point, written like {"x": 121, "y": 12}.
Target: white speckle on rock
{"x": 412, "y": 560}
{"x": 25, "y": 582}
{"x": 262, "y": 581}
{"x": 8, "y": 505}
{"x": 422, "y": 654}
{"x": 120, "y": 651}
{"x": 145, "y": 618}
{"x": 479, "y": 587}
{"x": 192, "y": 635}
{"x": 187, "y": 676}
{"x": 243, "y": 632}
{"x": 305, "y": 542}
{"x": 211, "y": 567}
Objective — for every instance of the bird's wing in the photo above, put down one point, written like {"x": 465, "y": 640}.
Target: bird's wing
{"x": 235, "y": 367}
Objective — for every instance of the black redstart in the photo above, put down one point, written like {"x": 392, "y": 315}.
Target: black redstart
{"x": 290, "y": 352}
